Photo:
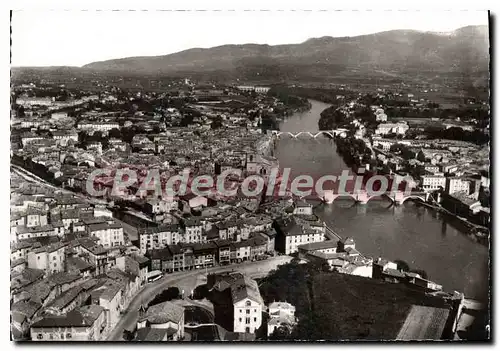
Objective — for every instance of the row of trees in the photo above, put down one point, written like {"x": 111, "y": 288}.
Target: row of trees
{"x": 320, "y": 94}
{"x": 353, "y": 151}
{"x": 457, "y": 133}
{"x": 332, "y": 118}
{"x": 290, "y": 100}
{"x": 172, "y": 293}
{"x": 431, "y": 111}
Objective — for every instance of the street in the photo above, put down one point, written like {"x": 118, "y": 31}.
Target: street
{"x": 187, "y": 281}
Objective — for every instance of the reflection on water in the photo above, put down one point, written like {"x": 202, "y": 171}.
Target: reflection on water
{"x": 413, "y": 233}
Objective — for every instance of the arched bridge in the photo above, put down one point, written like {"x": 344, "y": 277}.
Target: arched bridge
{"x": 331, "y": 133}
{"x": 362, "y": 197}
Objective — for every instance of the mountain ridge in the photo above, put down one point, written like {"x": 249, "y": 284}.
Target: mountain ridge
{"x": 463, "y": 50}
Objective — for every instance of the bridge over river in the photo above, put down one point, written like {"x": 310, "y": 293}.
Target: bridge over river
{"x": 362, "y": 197}
{"x": 422, "y": 237}
{"x": 314, "y": 135}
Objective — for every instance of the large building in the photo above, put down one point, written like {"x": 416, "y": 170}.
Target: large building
{"x": 248, "y": 306}
{"x": 98, "y": 126}
{"x": 49, "y": 258}
{"x": 250, "y": 88}
{"x": 237, "y": 302}
{"x": 109, "y": 233}
{"x": 433, "y": 182}
{"x": 294, "y": 231}
{"x": 82, "y": 324}
{"x": 391, "y": 128}
{"x": 158, "y": 237}
{"x": 456, "y": 185}
{"x": 34, "y": 101}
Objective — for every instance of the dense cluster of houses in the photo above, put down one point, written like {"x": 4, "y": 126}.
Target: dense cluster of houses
{"x": 58, "y": 146}
{"x": 72, "y": 269}
{"x": 72, "y": 262}
{"x": 455, "y": 169}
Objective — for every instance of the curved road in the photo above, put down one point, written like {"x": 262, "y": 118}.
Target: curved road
{"x": 129, "y": 318}
{"x": 184, "y": 280}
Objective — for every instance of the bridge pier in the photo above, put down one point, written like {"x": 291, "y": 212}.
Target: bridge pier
{"x": 328, "y": 197}
{"x": 362, "y": 198}
{"x": 398, "y": 198}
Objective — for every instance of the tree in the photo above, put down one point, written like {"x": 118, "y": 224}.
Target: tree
{"x": 331, "y": 118}
{"x": 201, "y": 292}
{"x": 20, "y": 111}
{"x": 269, "y": 123}
{"x": 129, "y": 335}
{"x": 216, "y": 123}
{"x": 366, "y": 115}
{"x": 169, "y": 294}
{"x": 186, "y": 120}
{"x": 156, "y": 129}
{"x": 128, "y": 134}
{"x": 115, "y": 133}
{"x": 402, "y": 265}
{"x": 421, "y": 156}
{"x": 280, "y": 333}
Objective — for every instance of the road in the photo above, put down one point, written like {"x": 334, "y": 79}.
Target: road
{"x": 186, "y": 281}
{"x": 86, "y": 198}
{"x": 37, "y": 180}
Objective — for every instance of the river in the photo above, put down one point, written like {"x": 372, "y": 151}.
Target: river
{"x": 423, "y": 238}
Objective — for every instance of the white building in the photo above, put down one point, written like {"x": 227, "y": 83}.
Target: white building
{"x": 58, "y": 115}
{"x": 303, "y": 208}
{"x": 280, "y": 314}
{"x": 388, "y": 128}
{"x": 262, "y": 90}
{"x": 248, "y": 306}
{"x": 98, "y": 126}
{"x": 456, "y": 185}
{"x": 292, "y": 234}
{"x": 33, "y": 101}
{"x": 433, "y": 182}
{"x": 49, "y": 258}
{"x": 63, "y": 137}
{"x": 158, "y": 237}
{"x": 193, "y": 230}
{"x": 109, "y": 234}
{"x": 248, "y": 88}
{"x": 159, "y": 206}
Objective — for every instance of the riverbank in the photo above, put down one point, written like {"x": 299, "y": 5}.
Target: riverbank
{"x": 352, "y": 151}
{"x": 474, "y": 231}
{"x": 417, "y": 234}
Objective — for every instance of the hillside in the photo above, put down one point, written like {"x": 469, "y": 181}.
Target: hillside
{"x": 333, "y": 306}
{"x": 463, "y": 51}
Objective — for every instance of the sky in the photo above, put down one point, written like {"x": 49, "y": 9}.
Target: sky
{"x": 75, "y": 38}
